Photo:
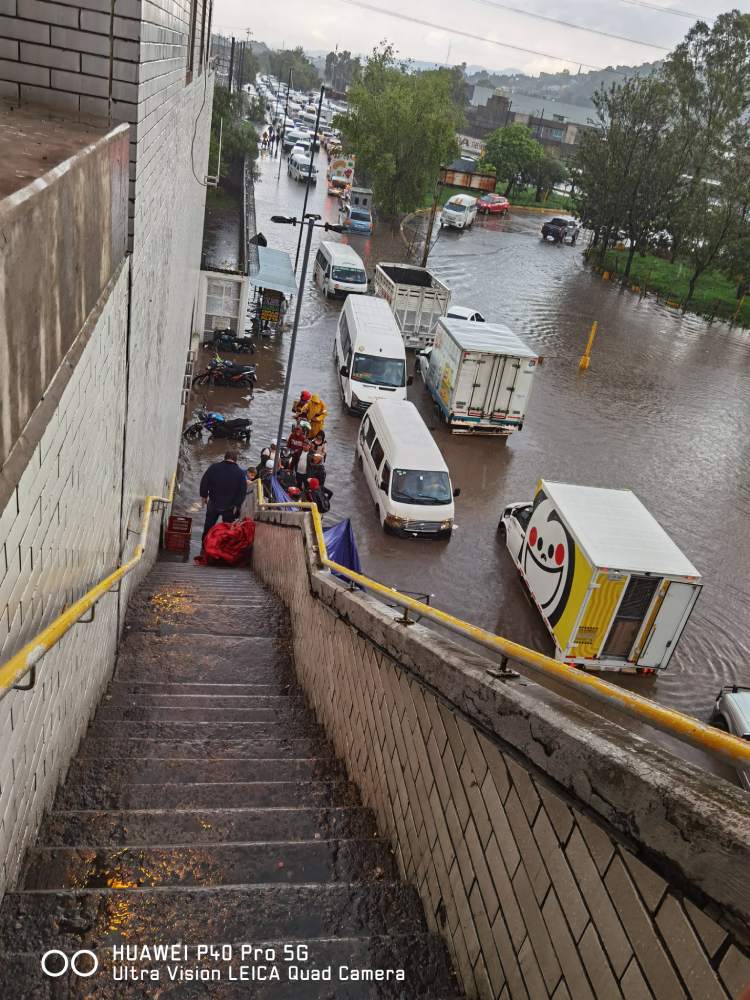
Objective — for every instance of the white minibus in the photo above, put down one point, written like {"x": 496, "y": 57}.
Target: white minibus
{"x": 369, "y": 353}
{"x": 339, "y": 270}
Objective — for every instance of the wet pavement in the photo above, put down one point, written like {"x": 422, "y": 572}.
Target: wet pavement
{"x": 663, "y": 410}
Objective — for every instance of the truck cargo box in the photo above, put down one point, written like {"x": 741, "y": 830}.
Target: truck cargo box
{"x": 480, "y": 376}
{"x": 417, "y": 299}
{"x": 614, "y": 590}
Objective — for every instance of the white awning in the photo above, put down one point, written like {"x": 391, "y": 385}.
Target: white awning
{"x": 275, "y": 271}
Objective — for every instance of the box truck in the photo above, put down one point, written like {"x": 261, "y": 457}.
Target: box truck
{"x": 614, "y": 590}
{"x": 417, "y": 299}
{"x": 480, "y": 376}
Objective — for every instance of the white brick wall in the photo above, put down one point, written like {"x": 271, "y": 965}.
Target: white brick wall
{"x": 59, "y": 534}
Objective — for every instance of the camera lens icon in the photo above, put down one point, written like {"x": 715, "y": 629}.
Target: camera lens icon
{"x": 55, "y": 963}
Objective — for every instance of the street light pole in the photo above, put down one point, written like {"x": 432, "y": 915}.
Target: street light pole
{"x": 280, "y": 146}
{"x": 309, "y": 173}
{"x": 311, "y": 219}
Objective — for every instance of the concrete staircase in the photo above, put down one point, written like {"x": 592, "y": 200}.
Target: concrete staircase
{"x": 206, "y": 807}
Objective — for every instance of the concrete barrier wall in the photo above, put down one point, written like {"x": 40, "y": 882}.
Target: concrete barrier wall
{"x": 558, "y": 855}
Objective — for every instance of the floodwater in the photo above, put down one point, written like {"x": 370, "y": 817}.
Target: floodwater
{"x": 663, "y": 410}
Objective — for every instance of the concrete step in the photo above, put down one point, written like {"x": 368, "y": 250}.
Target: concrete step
{"x": 427, "y": 975}
{"x": 32, "y": 922}
{"x": 90, "y": 828}
{"x": 287, "y": 863}
{"x": 132, "y": 695}
{"x": 179, "y": 659}
{"x": 283, "y": 715}
{"x": 217, "y": 730}
{"x": 113, "y": 772}
{"x": 123, "y": 690}
{"x": 209, "y": 795}
{"x": 204, "y": 749}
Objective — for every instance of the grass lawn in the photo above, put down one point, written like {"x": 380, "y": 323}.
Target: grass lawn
{"x": 714, "y": 292}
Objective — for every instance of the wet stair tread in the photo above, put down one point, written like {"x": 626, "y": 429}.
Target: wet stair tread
{"x": 285, "y": 862}
{"x": 206, "y": 805}
{"x": 112, "y": 828}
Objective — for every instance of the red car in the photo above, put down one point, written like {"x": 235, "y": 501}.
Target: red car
{"x": 494, "y": 204}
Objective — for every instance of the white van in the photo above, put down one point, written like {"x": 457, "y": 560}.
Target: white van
{"x": 339, "y": 270}
{"x": 300, "y": 166}
{"x": 407, "y": 476}
{"x": 370, "y": 354}
{"x": 459, "y": 211}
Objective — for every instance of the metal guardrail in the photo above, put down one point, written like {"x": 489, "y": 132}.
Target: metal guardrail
{"x": 27, "y": 658}
{"x": 728, "y": 748}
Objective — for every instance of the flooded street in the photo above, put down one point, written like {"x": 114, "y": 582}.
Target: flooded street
{"x": 664, "y": 410}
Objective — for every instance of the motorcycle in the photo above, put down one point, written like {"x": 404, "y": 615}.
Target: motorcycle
{"x": 225, "y": 340}
{"x": 236, "y": 429}
{"x": 219, "y": 371}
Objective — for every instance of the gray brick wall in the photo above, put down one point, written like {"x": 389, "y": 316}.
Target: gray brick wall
{"x": 59, "y": 534}
{"x": 521, "y": 826}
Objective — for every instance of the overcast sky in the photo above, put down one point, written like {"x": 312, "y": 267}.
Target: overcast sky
{"x": 324, "y": 24}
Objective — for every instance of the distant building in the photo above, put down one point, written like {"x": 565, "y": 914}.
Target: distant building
{"x": 556, "y": 125}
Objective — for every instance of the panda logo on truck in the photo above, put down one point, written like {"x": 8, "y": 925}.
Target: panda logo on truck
{"x": 548, "y": 559}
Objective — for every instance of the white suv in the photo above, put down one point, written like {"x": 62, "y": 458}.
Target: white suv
{"x": 732, "y": 713}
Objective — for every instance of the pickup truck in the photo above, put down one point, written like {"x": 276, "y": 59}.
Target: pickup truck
{"x": 561, "y": 230}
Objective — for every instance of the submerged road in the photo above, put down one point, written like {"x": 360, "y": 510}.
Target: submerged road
{"x": 664, "y": 410}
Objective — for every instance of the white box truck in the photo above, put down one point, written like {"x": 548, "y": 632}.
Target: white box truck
{"x": 417, "y": 299}
{"x": 480, "y": 376}
{"x": 613, "y": 589}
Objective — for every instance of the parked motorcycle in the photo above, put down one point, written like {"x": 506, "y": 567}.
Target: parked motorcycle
{"x": 219, "y": 371}
{"x": 225, "y": 340}
{"x": 236, "y": 429}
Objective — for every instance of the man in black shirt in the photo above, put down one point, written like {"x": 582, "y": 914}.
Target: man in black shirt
{"x": 223, "y": 488}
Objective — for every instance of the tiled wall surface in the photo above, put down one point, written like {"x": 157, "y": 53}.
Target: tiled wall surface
{"x": 536, "y": 894}
{"x": 58, "y": 533}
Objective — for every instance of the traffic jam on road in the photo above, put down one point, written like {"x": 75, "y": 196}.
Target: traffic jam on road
{"x": 434, "y": 387}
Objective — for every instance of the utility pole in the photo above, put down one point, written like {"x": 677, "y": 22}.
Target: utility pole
{"x": 231, "y": 66}
{"x": 433, "y": 213}
{"x": 240, "y": 66}
{"x": 309, "y": 173}
{"x": 280, "y": 147}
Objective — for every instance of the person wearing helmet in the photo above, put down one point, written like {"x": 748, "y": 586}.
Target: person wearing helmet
{"x": 314, "y": 494}
{"x": 300, "y": 406}
{"x": 294, "y": 443}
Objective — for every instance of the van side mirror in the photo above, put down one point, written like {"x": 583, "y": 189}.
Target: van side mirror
{"x": 410, "y": 380}
{"x": 344, "y": 370}
{"x": 457, "y": 492}
{"x": 384, "y": 485}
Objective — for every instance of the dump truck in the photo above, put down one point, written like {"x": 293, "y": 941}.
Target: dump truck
{"x": 417, "y": 299}
{"x": 480, "y": 376}
{"x": 613, "y": 589}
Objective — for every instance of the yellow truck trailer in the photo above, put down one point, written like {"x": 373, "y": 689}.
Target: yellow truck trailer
{"x": 614, "y": 590}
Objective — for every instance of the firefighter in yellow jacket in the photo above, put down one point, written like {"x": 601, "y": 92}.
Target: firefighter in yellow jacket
{"x": 316, "y": 414}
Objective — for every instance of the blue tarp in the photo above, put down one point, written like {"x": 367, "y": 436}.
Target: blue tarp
{"x": 280, "y": 495}
{"x": 342, "y": 548}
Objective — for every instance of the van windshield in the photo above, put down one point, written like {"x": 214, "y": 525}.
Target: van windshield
{"x": 352, "y": 275}
{"x": 360, "y": 216}
{"x": 379, "y": 371}
{"x": 453, "y": 207}
{"x": 428, "y": 488}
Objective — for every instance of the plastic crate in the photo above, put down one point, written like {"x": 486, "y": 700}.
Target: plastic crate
{"x": 177, "y": 534}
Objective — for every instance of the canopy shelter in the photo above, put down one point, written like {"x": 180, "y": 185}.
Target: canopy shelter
{"x": 274, "y": 284}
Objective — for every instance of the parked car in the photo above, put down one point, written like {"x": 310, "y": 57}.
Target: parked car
{"x": 732, "y": 713}
{"x": 463, "y": 312}
{"x": 493, "y": 204}
{"x": 561, "y": 230}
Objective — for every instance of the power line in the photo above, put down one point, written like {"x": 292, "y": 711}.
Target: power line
{"x": 466, "y": 34}
{"x": 667, "y": 10}
{"x": 571, "y": 24}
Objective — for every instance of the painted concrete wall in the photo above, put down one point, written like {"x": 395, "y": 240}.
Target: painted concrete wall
{"x": 64, "y": 236}
{"x": 557, "y": 854}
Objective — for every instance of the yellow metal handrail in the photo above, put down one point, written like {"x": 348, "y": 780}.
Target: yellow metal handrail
{"x": 14, "y": 669}
{"x": 731, "y": 749}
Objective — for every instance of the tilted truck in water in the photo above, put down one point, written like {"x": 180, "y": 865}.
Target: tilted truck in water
{"x": 613, "y": 589}
{"x": 480, "y": 376}
{"x": 417, "y": 299}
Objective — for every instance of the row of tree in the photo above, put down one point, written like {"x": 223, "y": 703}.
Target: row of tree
{"x": 668, "y": 168}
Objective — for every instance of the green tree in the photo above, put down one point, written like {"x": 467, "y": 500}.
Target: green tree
{"x": 514, "y": 153}
{"x": 304, "y": 74}
{"x": 401, "y": 127}
{"x": 342, "y": 70}
{"x": 545, "y": 172}
{"x": 238, "y": 137}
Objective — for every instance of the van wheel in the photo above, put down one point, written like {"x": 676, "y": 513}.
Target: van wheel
{"x": 502, "y": 533}
{"x": 361, "y": 463}
{"x": 377, "y": 514}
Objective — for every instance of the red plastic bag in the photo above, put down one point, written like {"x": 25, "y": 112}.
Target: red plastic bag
{"x": 228, "y": 543}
